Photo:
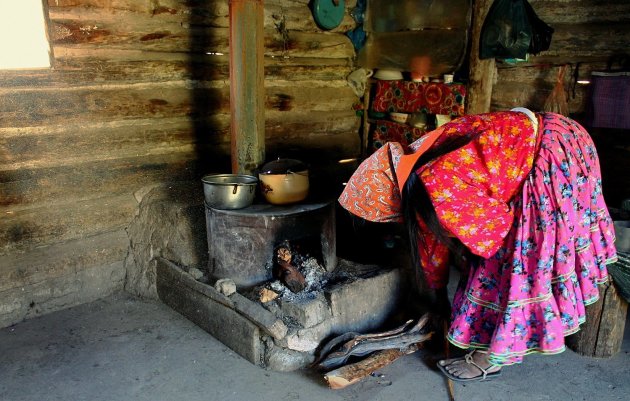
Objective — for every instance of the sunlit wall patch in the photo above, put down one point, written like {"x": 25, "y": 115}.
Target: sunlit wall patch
{"x": 23, "y": 40}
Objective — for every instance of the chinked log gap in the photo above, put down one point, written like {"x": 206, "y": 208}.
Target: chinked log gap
{"x": 383, "y": 348}
{"x": 247, "y": 74}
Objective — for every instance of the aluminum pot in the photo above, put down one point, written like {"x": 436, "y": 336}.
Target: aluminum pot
{"x": 284, "y": 181}
{"x": 229, "y": 191}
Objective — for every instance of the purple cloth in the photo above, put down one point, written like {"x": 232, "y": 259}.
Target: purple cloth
{"x": 610, "y": 100}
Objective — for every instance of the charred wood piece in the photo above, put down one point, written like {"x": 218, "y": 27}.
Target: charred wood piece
{"x": 344, "y": 338}
{"x": 267, "y": 295}
{"x": 290, "y": 277}
{"x": 361, "y": 345}
{"x": 285, "y": 271}
{"x": 284, "y": 254}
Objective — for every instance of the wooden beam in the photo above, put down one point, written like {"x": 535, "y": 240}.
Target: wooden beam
{"x": 481, "y": 72}
{"x": 247, "y": 97}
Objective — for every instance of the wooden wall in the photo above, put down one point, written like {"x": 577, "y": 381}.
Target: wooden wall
{"x": 138, "y": 96}
{"x": 587, "y": 33}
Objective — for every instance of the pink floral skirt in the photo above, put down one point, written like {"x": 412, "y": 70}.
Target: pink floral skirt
{"x": 533, "y": 292}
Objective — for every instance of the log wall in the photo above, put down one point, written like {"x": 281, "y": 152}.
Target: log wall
{"x": 587, "y": 33}
{"x": 138, "y": 96}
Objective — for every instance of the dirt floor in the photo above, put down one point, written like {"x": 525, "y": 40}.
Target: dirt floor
{"x": 123, "y": 348}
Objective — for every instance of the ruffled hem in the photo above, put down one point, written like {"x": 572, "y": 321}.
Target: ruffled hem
{"x": 513, "y": 334}
{"x": 506, "y": 359}
{"x": 533, "y": 292}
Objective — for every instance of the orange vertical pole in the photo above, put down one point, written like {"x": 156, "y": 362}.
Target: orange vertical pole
{"x": 247, "y": 97}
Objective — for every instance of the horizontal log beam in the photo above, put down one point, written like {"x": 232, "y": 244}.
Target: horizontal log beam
{"x": 22, "y": 230}
{"x": 46, "y": 106}
{"x": 588, "y": 39}
{"x": 581, "y": 11}
{"x": 43, "y": 263}
{"x": 293, "y": 14}
{"x": 79, "y": 71}
{"x": 39, "y": 187}
{"x": 162, "y": 34}
{"x": 50, "y": 146}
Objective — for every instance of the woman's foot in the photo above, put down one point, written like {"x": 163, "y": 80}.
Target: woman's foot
{"x": 473, "y": 366}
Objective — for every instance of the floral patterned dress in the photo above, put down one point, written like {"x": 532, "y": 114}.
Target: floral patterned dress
{"x": 527, "y": 201}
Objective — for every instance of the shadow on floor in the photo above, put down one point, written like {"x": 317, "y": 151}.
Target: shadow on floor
{"x": 124, "y": 348}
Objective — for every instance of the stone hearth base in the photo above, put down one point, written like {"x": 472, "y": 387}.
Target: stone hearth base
{"x": 285, "y": 335}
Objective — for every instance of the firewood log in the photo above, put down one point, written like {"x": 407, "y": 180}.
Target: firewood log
{"x": 365, "y": 344}
{"x": 351, "y": 335}
{"x": 290, "y": 276}
{"x": 350, "y": 374}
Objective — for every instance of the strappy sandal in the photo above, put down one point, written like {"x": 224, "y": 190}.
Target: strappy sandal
{"x": 468, "y": 358}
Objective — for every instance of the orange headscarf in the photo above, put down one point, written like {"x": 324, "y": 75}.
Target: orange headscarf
{"x": 374, "y": 190}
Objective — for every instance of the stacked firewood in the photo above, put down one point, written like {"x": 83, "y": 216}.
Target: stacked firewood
{"x": 378, "y": 350}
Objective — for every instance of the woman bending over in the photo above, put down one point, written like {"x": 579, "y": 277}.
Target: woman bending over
{"x": 514, "y": 199}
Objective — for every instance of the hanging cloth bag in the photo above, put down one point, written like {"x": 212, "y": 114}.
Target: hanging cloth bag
{"x": 541, "y": 32}
{"x": 506, "y": 32}
{"x": 609, "y": 99}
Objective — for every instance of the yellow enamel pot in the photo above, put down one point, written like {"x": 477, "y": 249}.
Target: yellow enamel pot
{"x": 284, "y": 181}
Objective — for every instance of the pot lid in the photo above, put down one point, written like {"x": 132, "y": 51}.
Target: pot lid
{"x": 328, "y": 14}
{"x": 283, "y": 166}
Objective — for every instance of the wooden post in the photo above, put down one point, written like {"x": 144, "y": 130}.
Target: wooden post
{"x": 365, "y": 135}
{"x": 602, "y": 334}
{"x": 481, "y": 72}
{"x": 247, "y": 75}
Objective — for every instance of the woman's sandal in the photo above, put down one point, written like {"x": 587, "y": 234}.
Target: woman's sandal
{"x": 468, "y": 358}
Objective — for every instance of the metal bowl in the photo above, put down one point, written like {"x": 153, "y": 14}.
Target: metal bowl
{"x": 229, "y": 191}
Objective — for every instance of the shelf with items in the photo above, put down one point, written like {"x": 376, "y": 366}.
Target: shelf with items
{"x": 412, "y": 97}
{"x": 382, "y": 131}
{"x": 437, "y": 100}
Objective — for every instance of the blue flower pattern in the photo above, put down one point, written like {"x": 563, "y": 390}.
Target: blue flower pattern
{"x": 519, "y": 301}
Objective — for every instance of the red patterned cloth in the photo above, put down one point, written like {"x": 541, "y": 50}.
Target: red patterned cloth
{"x": 529, "y": 202}
{"x": 470, "y": 187}
{"x": 413, "y": 97}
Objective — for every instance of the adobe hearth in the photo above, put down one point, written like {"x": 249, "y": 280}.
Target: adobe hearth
{"x": 284, "y": 334}
{"x": 275, "y": 290}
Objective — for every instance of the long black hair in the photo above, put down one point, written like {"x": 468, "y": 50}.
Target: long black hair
{"x": 416, "y": 203}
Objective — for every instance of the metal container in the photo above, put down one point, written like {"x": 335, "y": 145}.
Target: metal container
{"x": 229, "y": 191}
{"x": 284, "y": 181}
